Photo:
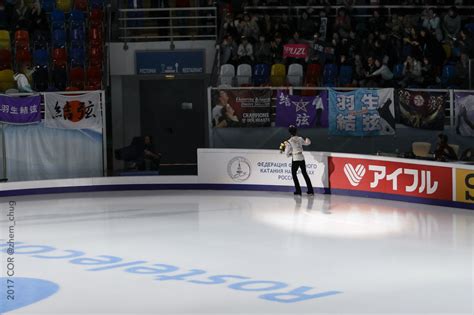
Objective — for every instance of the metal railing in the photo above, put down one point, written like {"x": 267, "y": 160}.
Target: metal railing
{"x": 357, "y": 10}
{"x": 168, "y": 24}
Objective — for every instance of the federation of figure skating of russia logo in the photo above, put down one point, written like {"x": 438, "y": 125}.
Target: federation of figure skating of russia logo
{"x": 239, "y": 169}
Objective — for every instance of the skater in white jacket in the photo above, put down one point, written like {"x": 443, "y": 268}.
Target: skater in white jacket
{"x": 294, "y": 148}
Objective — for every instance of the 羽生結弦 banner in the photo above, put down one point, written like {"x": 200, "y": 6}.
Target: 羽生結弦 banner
{"x": 361, "y": 112}
{"x": 241, "y": 108}
{"x": 20, "y": 110}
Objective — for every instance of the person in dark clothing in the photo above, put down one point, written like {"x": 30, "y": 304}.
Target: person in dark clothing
{"x": 151, "y": 159}
{"x": 140, "y": 154}
{"x": 443, "y": 150}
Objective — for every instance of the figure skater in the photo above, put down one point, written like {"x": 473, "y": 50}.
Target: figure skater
{"x": 294, "y": 148}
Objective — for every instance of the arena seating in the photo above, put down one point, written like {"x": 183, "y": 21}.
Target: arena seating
{"x": 70, "y": 56}
{"x": 387, "y": 31}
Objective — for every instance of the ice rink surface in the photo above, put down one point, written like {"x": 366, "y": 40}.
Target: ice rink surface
{"x": 219, "y": 252}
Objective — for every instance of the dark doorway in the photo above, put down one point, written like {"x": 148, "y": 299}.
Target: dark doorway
{"x": 174, "y": 113}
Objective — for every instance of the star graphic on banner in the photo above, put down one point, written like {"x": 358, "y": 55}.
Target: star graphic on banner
{"x": 301, "y": 105}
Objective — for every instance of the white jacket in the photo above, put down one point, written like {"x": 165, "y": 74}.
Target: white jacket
{"x": 294, "y": 147}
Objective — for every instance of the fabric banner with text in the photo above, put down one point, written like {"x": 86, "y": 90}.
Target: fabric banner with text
{"x": 362, "y": 112}
{"x": 73, "y": 111}
{"x": 20, "y": 110}
{"x": 301, "y": 111}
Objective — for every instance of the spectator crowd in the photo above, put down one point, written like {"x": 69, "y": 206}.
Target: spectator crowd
{"x": 400, "y": 49}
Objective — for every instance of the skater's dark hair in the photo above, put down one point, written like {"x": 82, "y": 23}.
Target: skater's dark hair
{"x": 292, "y": 130}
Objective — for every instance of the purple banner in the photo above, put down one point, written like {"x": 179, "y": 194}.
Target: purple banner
{"x": 301, "y": 111}
{"x": 20, "y": 110}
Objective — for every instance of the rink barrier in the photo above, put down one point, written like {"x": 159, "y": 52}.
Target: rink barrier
{"x": 408, "y": 180}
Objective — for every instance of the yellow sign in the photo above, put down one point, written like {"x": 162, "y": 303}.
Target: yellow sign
{"x": 465, "y": 185}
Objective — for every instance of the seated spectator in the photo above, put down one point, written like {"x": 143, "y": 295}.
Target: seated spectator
{"x": 462, "y": 72}
{"x": 383, "y": 74}
{"x": 262, "y": 51}
{"x": 428, "y": 72}
{"x": 432, "y": 23}
{"x": 431, "y": 48}
{"x": 244, "y": 27}
{"x": 276, "y": 50}
{"x": 37, "y": 19}
{"x": 370, "y": 68}
{"x": 296, "y": 39}
{"x": 466, "y": 43}
{"x": 22, "y": 83}
{"x": 444, "y": 151}
{"x": 306, "y": 25}
{"x": 343, "y": 23}
{"x": 245, "y": 51}
{"x": 317, "y": 50}
{"x": 411, "y": 72}
{"x": 452, "y": 23}
{"x": 140, "y": 154}
{"x": 228, "y": 50}
{"x": 150, "y": 160}
{"x": 284, "y": 26}
{"x": 359, "y": 74}
{"x": 230, "y": 26}
{"x": 266, "y": 25}
{"x": 376, "y": 22}
{"x": 18, "y": 16}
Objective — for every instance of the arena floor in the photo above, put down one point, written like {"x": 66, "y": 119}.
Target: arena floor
{"x": 216, "y": 252}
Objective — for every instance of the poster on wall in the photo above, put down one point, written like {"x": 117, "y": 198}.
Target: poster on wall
{"x": 422, "y": 110}
{"x": 20, "y": 110}
{"x": 362, "y": 112}
{"x": 301, "y": 111}
{"x": 73, "y": 111}
{"x": 464, "y": 108}
{"x": 257, "y": 167}
{"x": 391, "y": 177}
{"x": 241, "y": 108}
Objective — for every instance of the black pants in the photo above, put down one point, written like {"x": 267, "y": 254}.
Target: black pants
{"x": 294, "y": 169}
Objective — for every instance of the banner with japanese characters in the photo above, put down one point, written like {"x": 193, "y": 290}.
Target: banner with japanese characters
{"x": 295, "y": 51}
{"x": 423, "y": 110}
{"x": 464, "y": 106}
{"x": 301, "y": 111}
{"x": 73, "y": 111}
{"x": 20, "y": 110}
{"x": 241, "y": 108}
{"x": 362, "y": 112}
{"x": 391, "y": 177}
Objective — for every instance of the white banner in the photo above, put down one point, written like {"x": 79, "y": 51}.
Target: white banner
{"x": 257, "y": 167}
{"x": 73, "y": 111}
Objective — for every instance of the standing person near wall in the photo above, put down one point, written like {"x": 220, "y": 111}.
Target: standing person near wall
{"x": 294, "y": 148}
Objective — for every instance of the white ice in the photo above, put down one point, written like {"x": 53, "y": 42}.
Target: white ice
{"x": 382, "y": 256}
